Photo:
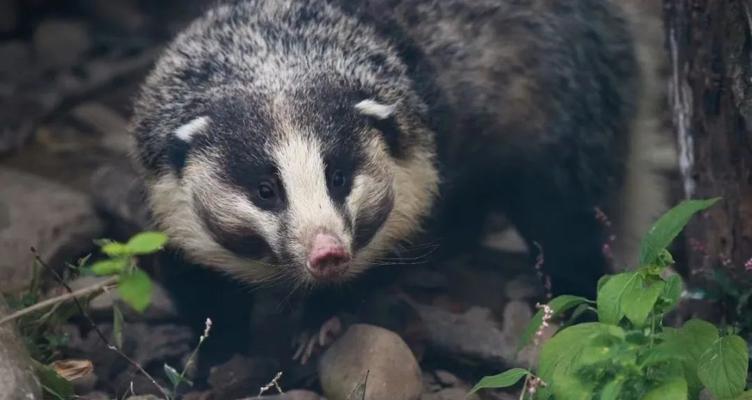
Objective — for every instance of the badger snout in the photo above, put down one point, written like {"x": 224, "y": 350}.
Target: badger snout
{"x": 328, "y": 258}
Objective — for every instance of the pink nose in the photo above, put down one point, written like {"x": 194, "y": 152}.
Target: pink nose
{"x": 327, "y": 257}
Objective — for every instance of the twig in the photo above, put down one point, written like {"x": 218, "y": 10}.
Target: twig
{"x": 273, "y": 384}
{"x": 95, "y": 327}
{"x": 71, "y": 295}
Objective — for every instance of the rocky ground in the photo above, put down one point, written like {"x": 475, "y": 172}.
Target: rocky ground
{"x": 67, "y": 76}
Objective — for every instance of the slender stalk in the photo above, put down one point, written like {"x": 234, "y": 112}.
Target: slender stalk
{"x": 99, "y": 287}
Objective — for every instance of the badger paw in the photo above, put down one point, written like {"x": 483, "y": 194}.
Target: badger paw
{"x": 307, "y": 344}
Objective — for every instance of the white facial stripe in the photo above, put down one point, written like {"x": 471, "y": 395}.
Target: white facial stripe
{"x": 186, "y": 132}
{"x": 302, "y": 169}
{"x": 375, "y": 109}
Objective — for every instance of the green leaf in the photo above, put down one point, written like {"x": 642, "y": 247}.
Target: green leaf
{"x": 696, "y": 337}
{"x": 745, "y": 396}
{"x": 672, "y": 292}
{"x": 135, "y": 289}
{"x": 559, "y": 358}
{"x": 109, "y": 267}
{"x": 174, "y": 377}
{"x": 117, "y": 326}
{"x": 673, "y": 389}
{"x": 502, "y": 380}
{"x": 639, "y": 301}
{"x": 52, "y": 383}
{"x": 146, "y": 243}
{"x": 723, "y": 367}
{"x": 115, "y": 249}
{"x": 559, "y": 305}
{"x": 668, "y": 227}
{"x": 612, "y": 390}
{"x": 611, "y": 295}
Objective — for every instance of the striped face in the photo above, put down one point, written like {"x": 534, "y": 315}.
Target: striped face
{"x": 303, "y": 191}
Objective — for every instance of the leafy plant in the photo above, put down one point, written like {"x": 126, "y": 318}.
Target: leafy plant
{"x": 628, "y": 353}
{"x": 37, "y": 320}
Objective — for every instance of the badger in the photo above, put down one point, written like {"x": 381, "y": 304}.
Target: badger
{"x": 305, "y": 141}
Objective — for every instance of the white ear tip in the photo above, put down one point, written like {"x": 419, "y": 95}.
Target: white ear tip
{"x": 187, "y": 131}
{"x": 375, "y": 109}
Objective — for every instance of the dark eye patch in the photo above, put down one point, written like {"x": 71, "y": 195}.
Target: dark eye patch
{"x": 243, "y": 241}
{"x": 370, "y": 220}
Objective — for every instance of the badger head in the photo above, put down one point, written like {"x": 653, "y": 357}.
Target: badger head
{"x": 305, "y": 160}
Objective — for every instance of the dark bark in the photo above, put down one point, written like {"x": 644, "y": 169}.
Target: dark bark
{"x": 710, "y": 45}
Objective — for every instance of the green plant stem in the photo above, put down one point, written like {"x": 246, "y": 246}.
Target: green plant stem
{"x": 99, "y": 287}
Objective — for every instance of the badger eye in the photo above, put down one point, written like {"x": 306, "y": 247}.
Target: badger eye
{"x": 266, "y": 191}
{"x": 337, "y": 179}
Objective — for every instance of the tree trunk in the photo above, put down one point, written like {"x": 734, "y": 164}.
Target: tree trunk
{"x": 710, "y": 46}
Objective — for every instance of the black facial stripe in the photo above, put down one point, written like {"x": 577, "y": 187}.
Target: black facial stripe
{"x": 390, "y": 131}
{"x": 369, "y": 221}
{"x": 177, "y": 153}
{"x": 245, "y": 242}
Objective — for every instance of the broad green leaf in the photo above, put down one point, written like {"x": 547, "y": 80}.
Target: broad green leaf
{"x": 639, "y": 301}
{"x": 115, "y": 249}
{"x": 668, "y": 227}
{"x": 146, "y": 243}
{"x": 671, "y": 292}
{"x": 559, "y": 305}
{"x": 695, "y": 337}
{"x": 570, "y": 386}
{"x": 612, "y": 390}
{"x": 502, "y": 380}
{"x": 135, "y": 289}
{"x": 601, "y": 347}
{"x": 560, "y": 356}
{"x": 117, "y": 326}
{"x": 611, "y": 294}
{"x": 673, "y": 389}
{"x": 109, "y": 267}
{"x": 686, "y": 344}
{"x": 745, "y": 396}
{"x": 52, "y": 383}
{"x": 723, "y": 367}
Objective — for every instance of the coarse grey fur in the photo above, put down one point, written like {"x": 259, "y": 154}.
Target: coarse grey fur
{"x": 521, "y": 105}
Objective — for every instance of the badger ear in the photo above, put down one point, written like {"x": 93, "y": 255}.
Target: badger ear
{"x": 181, "y": 138}
{"x": 382, "y": 118}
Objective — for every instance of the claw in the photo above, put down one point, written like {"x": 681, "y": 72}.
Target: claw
{"x": 308, "y": 344}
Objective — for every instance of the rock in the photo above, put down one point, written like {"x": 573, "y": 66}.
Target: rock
{"x": 145, "y": 397}
{"x": 291, "y": 395}
{"x": 118, "y": 192}
{"x": 475, "y": 336}
{"x": 376, "y": 354}
{"x": 17, "y": 378}
{"x": 161, "y": 307}
{"x": 8, "y": 15}
{"x": 111, "y": 126}
{"x": 446, "y": 378}
{"x": 95, "y": 396}
{"x": 59, "y": 222}
{"x": 60, "y": 44}
{"x": 450, "y": 394}
{"x": 150, "y": 345}
{"x": 15, "y": 58}
{"x": 241, "y": 376}
{"x": 121, "y": 15}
